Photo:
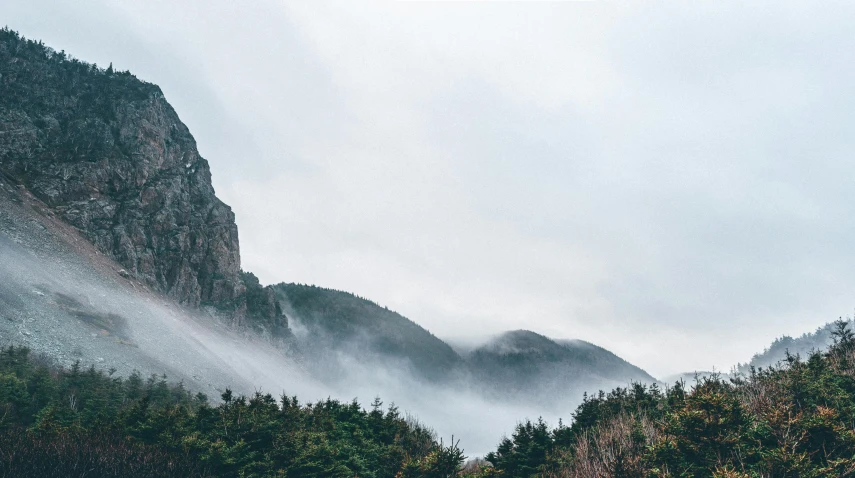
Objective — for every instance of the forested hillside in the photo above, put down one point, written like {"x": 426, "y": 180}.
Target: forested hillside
{"x": 77, "y": 422}
{"x": 520, "y": 366}
{"x": 524, "y": 365}
{"x": 340, "y": 321}
{"x": 115, "y": 254}
{"x": 794, "y": 420}
{"x": 818, "y": 340}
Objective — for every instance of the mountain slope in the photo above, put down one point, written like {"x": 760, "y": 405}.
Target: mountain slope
{"x": 341, "y": 321}
{"x": 518, "y": 366}
{"x": 104, "y": 152}
{"x": 67, "y": 302}
{"x": 607, "y": 363}
{"x": 115, "y": 250}
{"x": 107, "y": 154}
{"x": 818, "y": 340}
{"x": 524, "y": 364}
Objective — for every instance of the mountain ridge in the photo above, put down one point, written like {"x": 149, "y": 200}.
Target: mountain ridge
{"x": 104, "y": 153}
{"x": 342, "y": 320}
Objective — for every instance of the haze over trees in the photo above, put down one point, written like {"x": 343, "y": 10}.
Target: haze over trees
{"x": 59, "y": 422}
{"x": 793, "y": 419}
{"x": 117, "y": 252}
{"x": 96, "y": 166}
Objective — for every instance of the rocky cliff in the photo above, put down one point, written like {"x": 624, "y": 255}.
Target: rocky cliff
{"x": 109, "y": 155}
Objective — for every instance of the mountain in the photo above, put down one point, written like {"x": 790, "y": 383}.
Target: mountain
{"x": 333, "y": 320}
{"x": 522, "y": 363}
{"x": 818, "y": 340}
{"x": 98, "y": 153}
{"x": 67, "y": 302}
{"x": 116, "y": 252}
{"x": 107, "y": 154}
{"x": 793, "y": 420}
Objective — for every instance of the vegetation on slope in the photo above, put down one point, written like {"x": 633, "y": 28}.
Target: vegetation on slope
{"x": 106, "y": 153}
{"x": 796, "y": 419}
{"x": 819, "y": 340}
{"x": 520, "y": 364}
{"x": 339, "y": 320}
{"x": 58, "y": 422}
{"x": 524, "y": 364}
{"x": 524, "y": 352}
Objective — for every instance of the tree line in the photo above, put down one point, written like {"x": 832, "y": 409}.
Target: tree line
{"x": 65, "y": 422}
{"x": 795, "y": 419}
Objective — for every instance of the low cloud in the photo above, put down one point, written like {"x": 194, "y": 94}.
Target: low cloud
{"x": 646, "y": 178}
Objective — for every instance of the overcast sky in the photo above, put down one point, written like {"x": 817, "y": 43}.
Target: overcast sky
{"x": 673, "y": 182}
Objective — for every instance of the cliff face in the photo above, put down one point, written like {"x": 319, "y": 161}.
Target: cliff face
{"x": 111, "y": 157}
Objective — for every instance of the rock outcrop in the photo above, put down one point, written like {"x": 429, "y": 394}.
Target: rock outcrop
{"x": 110, "y": 156}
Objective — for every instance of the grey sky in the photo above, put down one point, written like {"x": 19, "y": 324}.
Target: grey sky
{"x": 673, "y": 182}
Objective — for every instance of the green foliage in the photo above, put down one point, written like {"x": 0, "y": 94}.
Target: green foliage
{"x": 92, "y": 90}
{"x": 442, "y": 462}
{"x": 153, "y": 428}
{"x": 336, "y": 319}
{"x": 524, "y": 366}
{"x": 525, "y": 453}
{"x": 818, "y": 340}
{"x": 796, "y": 419}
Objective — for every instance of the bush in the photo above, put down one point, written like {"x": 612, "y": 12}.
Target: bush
{"x": 76, "y": 422}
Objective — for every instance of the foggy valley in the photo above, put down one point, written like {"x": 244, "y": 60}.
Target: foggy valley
{"x": 548, "y": 291}
{"x": 64, "y": 299}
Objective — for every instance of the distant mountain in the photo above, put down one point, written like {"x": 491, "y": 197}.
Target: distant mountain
{"x": 818, "y": 340}
{"x": 333, "y": 320}
{"x": 114, "y": 249}
{"x": 522, "y": 363}
{"x": 803, "y": 345}
{"x": 690, "y": 379}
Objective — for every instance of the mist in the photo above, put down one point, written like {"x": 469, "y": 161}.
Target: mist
{"x": 517, "y": 183}
{"x": 619, "y": 174}
{"x": 64, "y": 300}
{"x": 601, "y": 188}
{"x": 158, "y": 337}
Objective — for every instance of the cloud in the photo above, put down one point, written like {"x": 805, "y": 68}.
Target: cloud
{"x": 650, "y": 178}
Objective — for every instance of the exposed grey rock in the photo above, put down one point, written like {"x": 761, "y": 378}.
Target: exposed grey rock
{"x": 110, "y": 156}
